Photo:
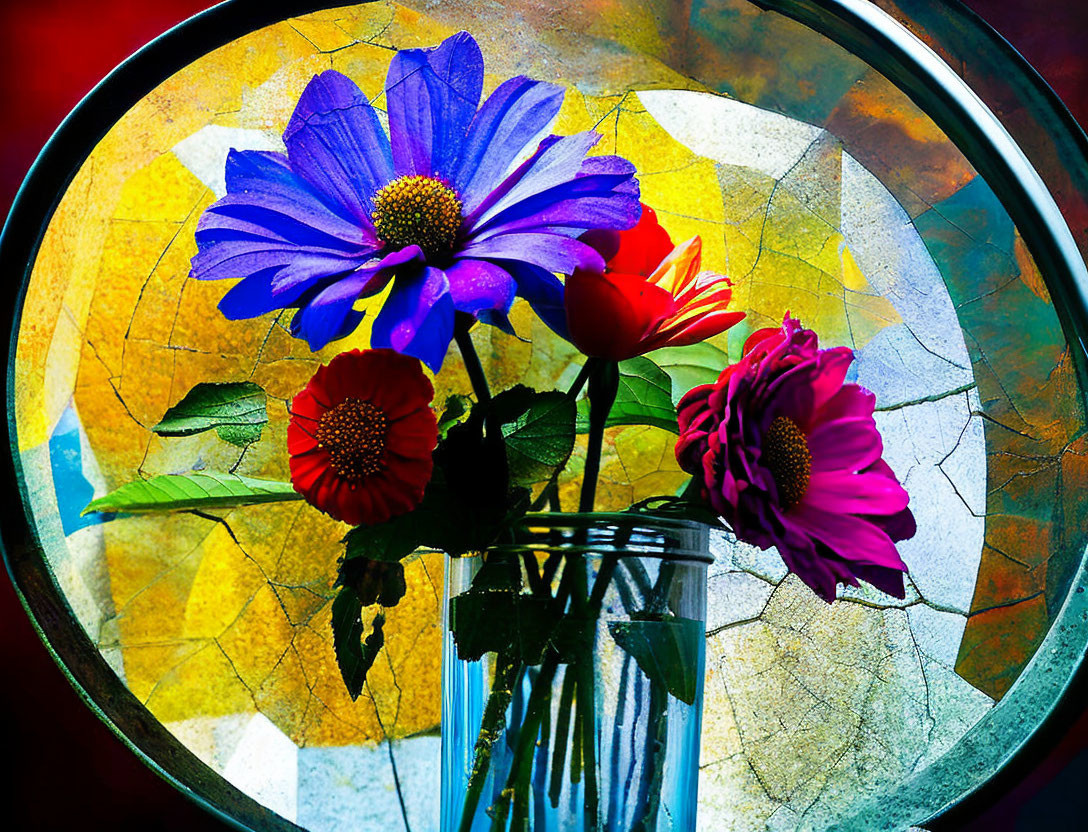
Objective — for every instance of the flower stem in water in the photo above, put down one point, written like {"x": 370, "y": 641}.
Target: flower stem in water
{"x": 507, "y": 672}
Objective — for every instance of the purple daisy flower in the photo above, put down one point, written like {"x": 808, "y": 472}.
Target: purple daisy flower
{"x": 437, "y": 207}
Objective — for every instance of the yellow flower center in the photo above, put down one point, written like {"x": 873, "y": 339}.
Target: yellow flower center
{"x": 417, "y": 210}
{"x": 353, "y": 434}
{"x": 787, "y": 457}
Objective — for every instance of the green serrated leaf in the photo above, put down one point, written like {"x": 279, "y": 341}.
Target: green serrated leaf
{"x": 644, "y": 397}
{"x": 203, "y": 489}
{"x": 541, "y": 438}
{"x": 690, "y": 366}
{"x": 354, "y": 655}
{"x": 235, "y": 410}
{"x": 667, "y": 651}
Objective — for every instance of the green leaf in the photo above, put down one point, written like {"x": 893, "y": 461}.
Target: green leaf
{"x": 203, "y": 489}
{"x": 354, "y": 655}
{"x": 644, "y": 397}
{"x": 495, "y": 616}
{"x": 390, "y": 541}
{"x": 374, "y": 581}
{"x": 240, "y": 435}
{"x": 236, "y": 411}
{"x": 690, "y": 366}
{"x": 457, "y": 410}
{"x": 666, "y": 649}
{"x": 540, "y": 438}
{"x": 498, "y": 620}
{"x": 481, "y": 622}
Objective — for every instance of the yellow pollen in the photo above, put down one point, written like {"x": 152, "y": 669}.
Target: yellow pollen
{"x": 353, "y": 434}
{"x": 787, "y": 457}
{"x": 417, "y": 210}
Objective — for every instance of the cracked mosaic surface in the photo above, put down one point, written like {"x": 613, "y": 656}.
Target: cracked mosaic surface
{"x": 814, "y": 183}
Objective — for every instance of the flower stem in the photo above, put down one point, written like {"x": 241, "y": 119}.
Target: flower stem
{"x": 507, "y": 671}
{"x": 588, "y": 368}
{"x": 472, "y": 362}
{"x": 586, "y": 703}
{"x": 657, "y": 737}
{"x": 562, "y": 734}
{"x": 522, "y": 762}
{"x": 603, "y": 386}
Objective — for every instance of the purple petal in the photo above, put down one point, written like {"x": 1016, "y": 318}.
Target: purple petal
{"x": 322, "y": 318}
{"x": 513, "y": 115}
{"x": 335, "y": 141}
{"x": 431, "y": 96}
{"x": 477, "y": 286}
{"x": 417, "y": 317}
{"x": 552, "y": 252}
{"x": 274, "y": 220}
{"x": 583, "y": 203}
{"x": 264, "y": 180}
{"x": 544, "y": 292}
{"x": 241, "y": 258}
{"x": 834, "y": 364}
{"x": 253, "y": 296}
{"x": 556, "y": 160}
{"x": 236, "y": 217}
{"x": 609, "y": 166}
{"x": 791, "y": 394}
{"x": 845, "y": 445}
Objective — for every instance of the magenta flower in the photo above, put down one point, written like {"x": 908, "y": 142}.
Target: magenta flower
{"x": 790, "y": 456}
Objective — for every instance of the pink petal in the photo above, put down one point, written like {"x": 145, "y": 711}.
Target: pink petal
{"x": 888, "y": 581}
{"x": 838, "y": 491}
{"x": 799, "y": 553}
{"x": 845, "y": 445}
{"x": 851, "y": 538}
{"x": 851, "y": 401}
{"x": 833, "y": 366}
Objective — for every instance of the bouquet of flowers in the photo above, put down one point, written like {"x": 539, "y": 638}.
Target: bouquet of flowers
{"x": 425, "y": 223}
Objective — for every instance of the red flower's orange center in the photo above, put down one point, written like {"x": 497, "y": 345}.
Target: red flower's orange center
{"x": 353, "y": 434}
{"x": 787, "y": 457}
{"x": 420, "y": 211}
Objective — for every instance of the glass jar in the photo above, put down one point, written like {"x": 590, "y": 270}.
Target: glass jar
{"x": 572, "y": 677}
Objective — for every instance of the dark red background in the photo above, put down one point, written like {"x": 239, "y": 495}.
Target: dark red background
{"x": 66, "y": 770}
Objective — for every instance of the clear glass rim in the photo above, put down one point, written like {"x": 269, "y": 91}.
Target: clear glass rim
{"x": 623, "y": 534}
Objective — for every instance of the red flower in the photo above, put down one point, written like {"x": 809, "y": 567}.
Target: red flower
{"x": 361, "y": 436}
{"x": 650, "y": 295}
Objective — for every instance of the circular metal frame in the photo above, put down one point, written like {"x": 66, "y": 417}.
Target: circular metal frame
{"x": 859, "y": 26}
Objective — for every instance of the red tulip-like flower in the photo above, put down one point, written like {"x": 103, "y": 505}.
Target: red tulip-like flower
{"x": 650, "y": 294}
{"x": 361, "y": 436}
{"x": 790, "y": 456}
